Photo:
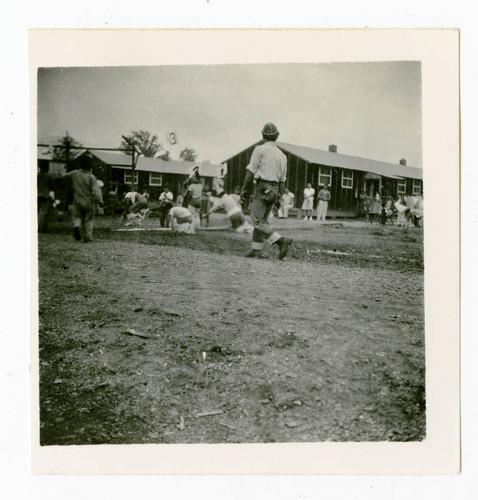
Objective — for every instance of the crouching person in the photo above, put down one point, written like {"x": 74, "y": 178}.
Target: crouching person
{"x": 286, "y": 203}
{"x": 136, "y": 209}
{"x": 86, "y": 195}
{"x": 233, "y": 210}
{"x": 181, "y": 220}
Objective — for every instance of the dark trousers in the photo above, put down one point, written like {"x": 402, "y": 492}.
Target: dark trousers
{"x": 163, "y": 213}
{"x": 83, "y": 217}
{"x": 265, "y": 196}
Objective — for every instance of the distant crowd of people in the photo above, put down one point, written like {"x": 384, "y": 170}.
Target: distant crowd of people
{"x": 197, "y": 200}
{"x": 406, "y": 208}
{"x": 201, "y": 201}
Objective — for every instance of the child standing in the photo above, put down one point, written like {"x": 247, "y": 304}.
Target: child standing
{"x": 165, "y": 204}
{"x": 205, "y": 203}
{"x": 86, "y": 194}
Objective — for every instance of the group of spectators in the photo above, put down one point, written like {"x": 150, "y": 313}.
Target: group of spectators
{"x": 407, "y": 208}
{"x": 323, "y": 198}
{"x": 287, "y": 202}
{"x": 196, "y": 202}
{"x": 192, "y": 208}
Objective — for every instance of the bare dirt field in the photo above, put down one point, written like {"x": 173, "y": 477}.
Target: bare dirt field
{"x": 326, "y": 345}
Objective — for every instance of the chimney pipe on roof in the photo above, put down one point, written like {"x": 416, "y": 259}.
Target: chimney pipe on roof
{"x": 403, "y": 161}
{"x": 333, "y": 148}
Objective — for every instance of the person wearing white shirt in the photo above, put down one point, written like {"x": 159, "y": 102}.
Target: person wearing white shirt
{"x": 165, "y": 204}
{"x": 286, "y": 203}
{"x": 401, "y": 207}
{"x": 308, "y": 203}
{"x": 136, "y": 207}
{"x": 268, "y": 167}
{"x": 181, "y": 220}
{"x": 324, "y": 198}
{"x": 415, "y": 203}
{"x": 233, "y": 210}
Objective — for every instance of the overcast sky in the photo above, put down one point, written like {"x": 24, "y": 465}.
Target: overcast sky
{"x": 371, "y": 110}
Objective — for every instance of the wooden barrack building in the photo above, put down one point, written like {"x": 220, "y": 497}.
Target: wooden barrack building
{"x": 346, "y": 176}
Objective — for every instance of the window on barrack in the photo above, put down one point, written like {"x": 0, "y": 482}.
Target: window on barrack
{"x": 347, "y": 179}
{"x": 325, "y": 176}
{"x": 129, "y": 179}
{"x": 402, "y": 187}
{"x": 417, "y": 186}
{"x": 155, "y": 179}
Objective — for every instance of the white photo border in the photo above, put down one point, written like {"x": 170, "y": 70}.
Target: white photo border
{"x": 437, "y": 50}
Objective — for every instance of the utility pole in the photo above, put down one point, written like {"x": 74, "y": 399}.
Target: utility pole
{"x": 133, "y": 150}
{"x": 67, "y": 147}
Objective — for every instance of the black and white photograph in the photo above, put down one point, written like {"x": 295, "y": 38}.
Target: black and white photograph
{"x": 231, "y": 253}
{"x": 179, "y": 304}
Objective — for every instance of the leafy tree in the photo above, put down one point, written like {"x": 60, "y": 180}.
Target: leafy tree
{"x": 188, "y": 154}
{"x": 166, "y": 156}
{"x": 65, "y": 151}
{"x": 145, "y": 142}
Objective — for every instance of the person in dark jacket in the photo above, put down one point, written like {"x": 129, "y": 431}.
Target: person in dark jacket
{"x": 86, "y": 194}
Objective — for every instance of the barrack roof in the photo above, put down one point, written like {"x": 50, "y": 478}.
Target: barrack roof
{"x": 331, "y": 159}
{"x": 157, "y": 165}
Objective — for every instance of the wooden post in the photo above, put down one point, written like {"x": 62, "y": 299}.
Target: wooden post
{"x": 131, "y": 144}
{"x": 67, "y": 150}
{"x": 132, "y": 167}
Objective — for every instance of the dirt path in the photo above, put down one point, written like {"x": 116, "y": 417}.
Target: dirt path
{"x": 314, "y": 348}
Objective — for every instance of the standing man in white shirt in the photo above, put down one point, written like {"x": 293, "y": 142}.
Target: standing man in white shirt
{"x": 165, "y": 204}
{"x": 308, "y": 203}
{"x": 268, "y": 166}
{"x": 324, "y": 197}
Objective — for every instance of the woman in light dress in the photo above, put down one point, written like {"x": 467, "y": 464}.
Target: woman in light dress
{"x": 308, "y": 203}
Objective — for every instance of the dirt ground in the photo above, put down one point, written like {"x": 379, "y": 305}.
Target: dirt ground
{"x": 326, "y": 345}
